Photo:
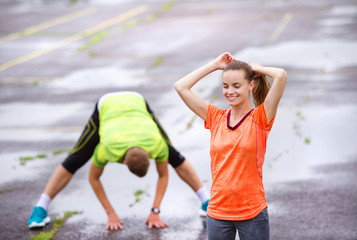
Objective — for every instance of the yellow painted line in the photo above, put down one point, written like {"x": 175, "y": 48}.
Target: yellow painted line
{"x": 97, "y": 28}
{"x": 48, "y": 24}
{"x": 280, "y": 28}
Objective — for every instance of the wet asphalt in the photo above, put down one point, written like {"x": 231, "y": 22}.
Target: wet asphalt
{"x": 52, "y": 74}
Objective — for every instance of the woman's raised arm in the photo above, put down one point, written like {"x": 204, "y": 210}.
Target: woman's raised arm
{"x": 184, "y": 85}
{"x": 275, "y": 93}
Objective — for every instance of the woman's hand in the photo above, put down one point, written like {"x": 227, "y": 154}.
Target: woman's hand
{"x": 184, "y": 85}
{"x": 223, "y": 60}
{"x": 255, "y": 67}
{"x": 114, "y": 223}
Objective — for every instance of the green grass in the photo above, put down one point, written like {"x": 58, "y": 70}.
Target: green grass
{"x": 24, "y": 160}
{"x": 57, "y": 224}
{"x": 94, "y": 40}
{"x": 41, "y": 156}
{"x": 60, "y": 151}
{"x": 138, "y": 195}
{"x": 99, "y": 37}
{"x": 53, "y": 34}
{"x": 158, "y": 61}
{"x": 190, "y": 123}
{"x": 300, "y": 116}
{"x": 4, "y": 190}
{"x": 151, "y": 18}
{"x": 128, "y": 25}
{"x": 306, "y": 99}
{"x": 167, "y": 6}
{"x": 139, "y": 192}
{"x": 212, "y": 10}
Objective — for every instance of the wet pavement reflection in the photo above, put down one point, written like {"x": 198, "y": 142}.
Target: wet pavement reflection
{"x": 46, "y": 100}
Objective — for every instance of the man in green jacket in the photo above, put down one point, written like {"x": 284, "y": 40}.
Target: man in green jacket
{"x": 122, "y": 129}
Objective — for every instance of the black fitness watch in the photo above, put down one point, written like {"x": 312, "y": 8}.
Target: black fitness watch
{"x": 155, "y": 210}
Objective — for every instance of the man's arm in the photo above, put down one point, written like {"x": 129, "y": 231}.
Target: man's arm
{"x": 154, "y": 219}
{"x": 114, "y": 223}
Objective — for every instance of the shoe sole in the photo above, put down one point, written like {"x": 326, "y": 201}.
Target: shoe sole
{"x": 202, "y": 213}
{"x": 41, "y": 224}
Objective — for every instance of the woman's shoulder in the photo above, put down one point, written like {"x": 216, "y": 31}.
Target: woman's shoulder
{"x": 217, "y": 110}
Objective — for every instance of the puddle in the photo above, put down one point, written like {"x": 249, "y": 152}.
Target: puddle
{"x": 120, "y": 186}
{"x": 171, "y": 37}
{"x": 344, "y": 10}
{"x": 110, "y": 2}
{"x": 22, "y": 114}
{"x": 329, "y": 55}
{"x": 40, "y": 134}
{"x": 289, "y": 157}
{"x": 19, "y": 123}
{"x": 11, "y": 168}
{"x": 27, "y": 6}
{"x": 336, "y": 22}
{"x": 95, "y": 78}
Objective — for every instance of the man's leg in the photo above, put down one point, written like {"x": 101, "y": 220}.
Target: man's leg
{"x": 186, "y": 172}
{"x": 188, "y": 175}
{"x": 58, "y": 181}
{"x": 81, "y": 153}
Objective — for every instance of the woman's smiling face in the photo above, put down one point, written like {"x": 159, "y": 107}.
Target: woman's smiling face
{"x": 236, "y": 88}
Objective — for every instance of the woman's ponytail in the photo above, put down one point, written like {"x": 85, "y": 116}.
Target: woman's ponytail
{"x": 260, "y": 90}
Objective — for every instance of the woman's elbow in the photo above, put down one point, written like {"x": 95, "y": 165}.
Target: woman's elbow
{"x": 178, "y": 87}
{"x": 282, "y": 75}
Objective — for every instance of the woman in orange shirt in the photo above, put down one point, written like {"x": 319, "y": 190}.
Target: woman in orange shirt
{"x": 238, "y": 143}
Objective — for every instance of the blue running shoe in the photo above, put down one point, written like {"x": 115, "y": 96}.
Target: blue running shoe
{"x": 38, "y": 218}
{"x": 203, "y": 210}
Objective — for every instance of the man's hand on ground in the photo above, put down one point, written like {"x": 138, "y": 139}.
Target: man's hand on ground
{"x": 155, "y": 221}
{"x": 114, "y": 223}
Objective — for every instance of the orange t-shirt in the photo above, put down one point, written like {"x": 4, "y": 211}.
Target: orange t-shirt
{"x": 237, "y": 157}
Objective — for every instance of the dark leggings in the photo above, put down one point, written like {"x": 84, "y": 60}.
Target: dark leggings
{"x": 256, "y": 228}
{"x": 84, "y": 148}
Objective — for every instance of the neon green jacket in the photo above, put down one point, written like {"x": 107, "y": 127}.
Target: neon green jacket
{"x": 124, "y": 122}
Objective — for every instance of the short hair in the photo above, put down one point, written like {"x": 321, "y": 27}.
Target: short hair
{"x": 137, "y": 161}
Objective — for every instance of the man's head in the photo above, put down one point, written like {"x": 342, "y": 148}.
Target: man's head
{"x": 137, "y": 161}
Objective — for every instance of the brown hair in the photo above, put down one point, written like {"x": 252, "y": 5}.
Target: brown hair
{"x": 137, "y": 161}
{"x": 262, "y": 84}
